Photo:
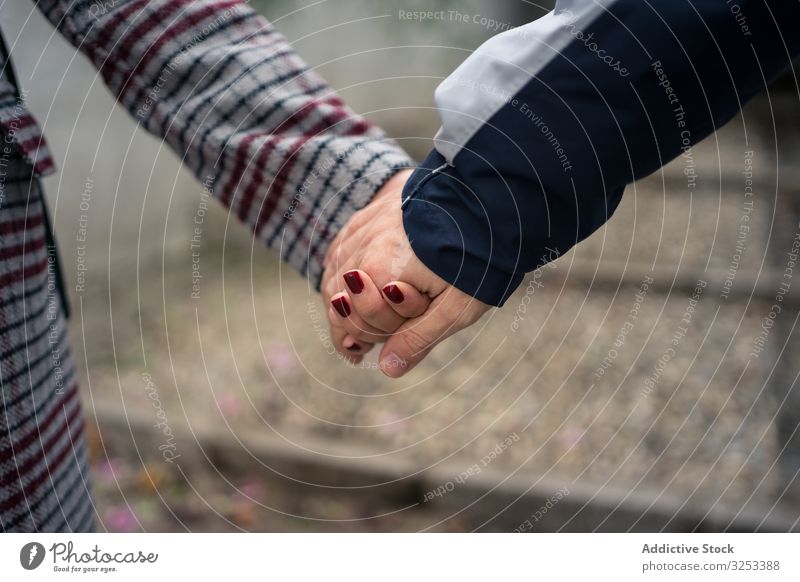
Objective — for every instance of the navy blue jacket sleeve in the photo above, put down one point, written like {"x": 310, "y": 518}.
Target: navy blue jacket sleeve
{"x": 544, "y": 125}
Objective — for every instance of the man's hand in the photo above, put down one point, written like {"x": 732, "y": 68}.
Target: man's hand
{"x": 420, "y": 309}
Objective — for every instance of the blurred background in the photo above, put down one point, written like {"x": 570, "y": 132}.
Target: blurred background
{"x": 552, "y": 411}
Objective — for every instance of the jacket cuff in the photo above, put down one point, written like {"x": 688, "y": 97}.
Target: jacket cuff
{"x": 450, "y": 232}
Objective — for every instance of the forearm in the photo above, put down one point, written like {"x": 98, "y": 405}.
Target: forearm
{"x": 242, "y": 110}
{"x": 544, "y": 126}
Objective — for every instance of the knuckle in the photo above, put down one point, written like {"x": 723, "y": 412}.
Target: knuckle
{"x": 353, "y": 330}
{"x": 374, "y": 265}
{"x": 416, "y": 308}
{"x": 370, "y": 310}
{"x": 358, "y": 332}
{"x": 414, "y": 341}
{"x": 373, "y": 339}
{"x": 370, "y": 338}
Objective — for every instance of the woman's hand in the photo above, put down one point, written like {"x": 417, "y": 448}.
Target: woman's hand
{"x": 378, "y": 290}
{"x": 360, "y": 312}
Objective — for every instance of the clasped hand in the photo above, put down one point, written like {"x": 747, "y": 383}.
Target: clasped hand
{"x": 378, "y": 291}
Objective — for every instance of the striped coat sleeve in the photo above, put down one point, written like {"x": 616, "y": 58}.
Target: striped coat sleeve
{"x": 232, "y": 98}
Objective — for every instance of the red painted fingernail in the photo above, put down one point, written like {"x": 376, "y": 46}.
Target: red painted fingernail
{"x": 354, "y": 282}
{"x": 341, "y": 306}
{"x": 393, "y": 293}
{"x": 354, "y": 348}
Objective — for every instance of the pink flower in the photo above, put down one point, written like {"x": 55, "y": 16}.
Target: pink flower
{"x": 229, "y": 405}
{"x": 391, "y": 424}
{"x": 281, "y": 359}
{"x": 254, "y": 490}
{"x": 108, "y": 471}
{"x": 571, "y": 437}
{"x": 120, "y": 518}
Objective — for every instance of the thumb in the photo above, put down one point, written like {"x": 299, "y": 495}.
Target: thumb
{"x": 414, "y": 340}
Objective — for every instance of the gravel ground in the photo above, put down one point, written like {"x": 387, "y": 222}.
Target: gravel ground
{"x": 701, "y": 426}
{"x": 697, "y": 231}
{"x": 635, "y": 387}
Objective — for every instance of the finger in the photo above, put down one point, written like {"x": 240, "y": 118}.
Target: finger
{"x": 344, "y": 342}
{"x": 342, "y": 314}
{"x": 356, "y": 346}
{"x": 368, "y": 302}
{"x": 338, "y": 337}
{"x": 448, "y": 314}
{"x": 405, "y": 299}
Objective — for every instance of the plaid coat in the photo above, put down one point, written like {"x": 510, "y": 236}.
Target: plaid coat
{"x": 244, "y": 112}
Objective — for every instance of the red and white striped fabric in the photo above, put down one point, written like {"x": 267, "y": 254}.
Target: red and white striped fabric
{"x": 43, "y": 457}
{"x": 244, "y": 112}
